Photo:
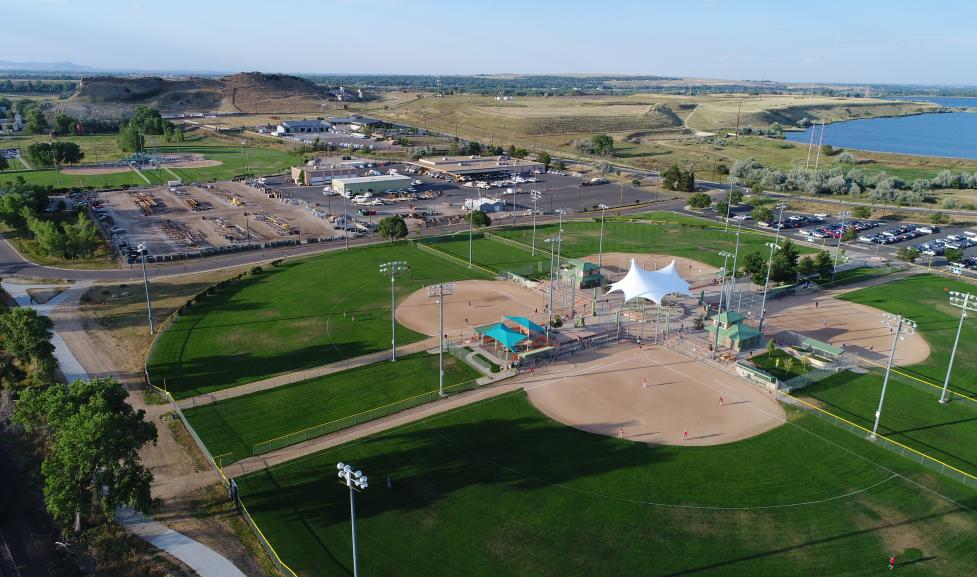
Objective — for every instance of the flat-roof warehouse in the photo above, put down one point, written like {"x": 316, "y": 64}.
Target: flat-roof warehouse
{"x": 372, "y": 184}
{"x": 469, "y": 167}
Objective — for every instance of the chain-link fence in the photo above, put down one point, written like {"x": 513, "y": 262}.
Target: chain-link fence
{"x": 359, "y": 418}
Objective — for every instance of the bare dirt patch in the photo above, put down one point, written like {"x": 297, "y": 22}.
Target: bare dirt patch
{"x": 603, "y": 393}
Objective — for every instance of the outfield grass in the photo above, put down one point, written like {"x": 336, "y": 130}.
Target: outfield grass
{"x": 294, "y": 317}
{"x": 701, "y": 244}
{"x": 237, "y": 424}
{"x": 923, "y": 299}
{"x": 911, "y": 416}
{"x": 497, "y": 255}
{"x": 498, "y": 489}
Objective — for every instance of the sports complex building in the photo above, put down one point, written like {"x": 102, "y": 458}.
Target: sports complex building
{"x": 371, "y": 184}
{"x": 475, "y": 167}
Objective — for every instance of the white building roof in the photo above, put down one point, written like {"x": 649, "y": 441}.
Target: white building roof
{"x": 651, "y": 284}
{"x": 381, "y": 178}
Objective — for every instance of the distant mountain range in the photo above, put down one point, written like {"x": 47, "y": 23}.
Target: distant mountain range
{"x": 44, "y": 66}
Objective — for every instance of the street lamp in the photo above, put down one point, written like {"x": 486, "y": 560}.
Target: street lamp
{"x": 965, "y": 302}
{"x": 719, "y": 310}
{"x": 763, "y": 303}
{"x": 600, "y": 243}
{"x": 439, "y": 291}
{"x": 844, "y": 215}
{"x": 356, "y": 481}
{"x": 535, "y": 195}
{"x": 901, "y": 325}
{"x": 145, "y": 279}
{"x": 393, "y": 268}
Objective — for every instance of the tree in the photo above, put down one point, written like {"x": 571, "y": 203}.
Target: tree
{"x": 686, "y": 181}
{"x": 479, "y": 218}
{"x": 953, "y": 255}
{"x": 790, "y": 250}
{"x": 635, "y": 182}
{"x": 722, "y": 208}
{"x": 699, "y": 200}
{"x": 755, "y": 265}
{"x": 34, "y": 122}
{"x": 64, "y": 124}
{"x": 603, "y": 145}
{"x": 939, "y": 218}
{"x": 27, "y": 336}
{"x": 392, "y": 228}
{"x": 861, "y": 211}
{"x": 805, "y": 266}
{"x": 771, "y": 348}
{"x": 130, "y": 139}
{"x": 4, "y": 165}
{"x": 907, "y": 254}
{"x": 762, "y": 214}
{"x": 544, "y": 159}
{"x": 81, "y": 238}
{"x": 846, "y": 158}
{"x": 94, "y": 454}
{"x": 849, "y": 234}
{"x": 65, "y": 152}
{"x": 736, "y": 196}
{"x": 669, "y": 178}
{"x": 823, "y": 264}
{"x": 781, "y": 269}
{"x": 39, "y": 154}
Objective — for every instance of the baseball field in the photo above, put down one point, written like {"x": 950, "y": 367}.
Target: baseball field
{"x": 498, "y": 489}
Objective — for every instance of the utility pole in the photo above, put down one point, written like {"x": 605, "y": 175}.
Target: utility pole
{"x": 393, "y": 268}
{"x": 966, "y": 302}
{"x": 439, "y": 291}
{"x": 844, "y": 216}
{"x": 145, "y": 279}
{"x": 356, "y": 481}
{"x": 899, "y": 321}
{"x": 817, "y": 158}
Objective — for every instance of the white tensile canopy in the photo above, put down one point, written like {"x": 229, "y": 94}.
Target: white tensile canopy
{"x": 651, "y": 284}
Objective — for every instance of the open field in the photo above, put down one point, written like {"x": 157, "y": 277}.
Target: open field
{"x": 911, "y": 415}
{"x": 498, "y": 489}
{"x": 236, "y": 425}
{"x": 922, "y": 299}
{"x": 296, "y": 316}
{"x": 775, "y": 364}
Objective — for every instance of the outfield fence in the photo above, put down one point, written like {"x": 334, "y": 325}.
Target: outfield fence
{"x": 923, "y": 384}
{"x": 894, "y": 446}
{"x": 359, "y": 418}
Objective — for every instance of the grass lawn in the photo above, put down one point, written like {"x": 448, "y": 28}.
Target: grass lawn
{"x": 582, "y": 239}
{"x": 910, "y": 415}
{"x": 498, "y": 489}
{"x": 922, "y": 299}
{"x": 236, "y": 425}
{"x": 497, "y": 255}
{"x": 770, "y": 364}
{"x": 293, "y": 317}
{"x": 855, "y": 275}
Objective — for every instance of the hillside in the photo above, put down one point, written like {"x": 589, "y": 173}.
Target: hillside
{"x": 250, "y": 92}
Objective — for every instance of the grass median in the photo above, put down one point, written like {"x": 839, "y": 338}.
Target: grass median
{"x": 237, "y": 424}
{"x": 496, "y": 488}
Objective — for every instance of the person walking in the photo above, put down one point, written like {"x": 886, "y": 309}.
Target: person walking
{"x": 720, "y": 400}
{"x": 685, "y": 434}
{"x": 892, "y": 562}
{"x": 620, "y": 433}
{"x": 644, "y": 383}
{"x": 816, "y": 303}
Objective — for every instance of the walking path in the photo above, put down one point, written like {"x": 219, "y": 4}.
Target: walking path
{"x": 205, "y": 561}
{"x": 201, "y": 559}
{"x": 296, "y": 376}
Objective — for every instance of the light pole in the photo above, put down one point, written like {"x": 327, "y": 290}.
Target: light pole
{"x": 719, "y": 310}
{"x": 515, "y": 190}
{"x": 559, "y": 240}
{"x": 549, "y": 322}
{"x": 763, "y": 303}
{"x": 844, "y": 215}
{"x": 535, "y": 195}
{"x": 729, "y": 201}
{"x": 966, "y": 302}
{"x": 600, "y": 243}
{"x": 356, "y": 481}
{"x": 471, "y": 218}
{"x": 439, "y": 291}
{"x": 736, "y": 254}
{"x": 393, "y": 268}
{"x": 345, "y": 222}
{"x": 899, "y": 322}
{"x": 145, "y": 279}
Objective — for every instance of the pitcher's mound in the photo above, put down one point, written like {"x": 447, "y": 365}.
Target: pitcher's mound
{"x": 603, "y": 393}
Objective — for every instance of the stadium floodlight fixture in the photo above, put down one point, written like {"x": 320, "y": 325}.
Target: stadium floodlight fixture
{"x": 392, "y": 269}
{"x": 439, "y": 291}
{"x": 901, "y": 328}
{"x": 145, "y": 280}
{"x": 356, "y": 481}
{"x": 965, "y": 302}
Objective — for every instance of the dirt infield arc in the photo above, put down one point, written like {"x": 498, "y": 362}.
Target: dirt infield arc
{"x": 603, "y": 393}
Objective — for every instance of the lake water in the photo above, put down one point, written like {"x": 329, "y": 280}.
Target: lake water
{"x": 948, "y": 101}
{"x": 952, "y": 134}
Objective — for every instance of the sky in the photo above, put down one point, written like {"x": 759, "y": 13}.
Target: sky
{"x": 852, "y": 41}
